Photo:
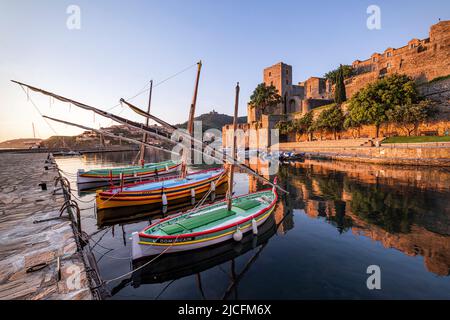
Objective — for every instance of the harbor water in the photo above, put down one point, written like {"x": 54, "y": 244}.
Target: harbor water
{"x": 339, "y": 221}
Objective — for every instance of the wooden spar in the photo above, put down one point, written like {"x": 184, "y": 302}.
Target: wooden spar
{"x": 233, "y": 151}
{"x": 112, "y": 135}
{"x": 227, "y": 157}
{"x": 190, "y": 125}
{"x": 141, "y": 127}
{"x": 144, "y": 136}
{"x": 167, "y": 125}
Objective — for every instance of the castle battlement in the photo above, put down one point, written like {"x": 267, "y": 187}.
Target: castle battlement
{"x": 421, "y": 59}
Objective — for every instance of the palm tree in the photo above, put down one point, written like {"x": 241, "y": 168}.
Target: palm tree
{"x": 264, "y": 97}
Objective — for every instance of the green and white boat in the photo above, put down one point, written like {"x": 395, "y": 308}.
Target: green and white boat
{"x": 205, "y": 226}
{"x": 102, "y": 177}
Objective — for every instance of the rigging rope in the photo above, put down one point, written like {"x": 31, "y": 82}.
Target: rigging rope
{"x": 146, "y": 88}
{"x": 37, "y": 109}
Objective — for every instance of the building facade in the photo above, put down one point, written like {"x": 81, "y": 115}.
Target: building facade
{"x": 423, "y": 60}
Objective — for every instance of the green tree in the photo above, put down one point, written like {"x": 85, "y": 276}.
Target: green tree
{"x": 370, "y": 104}
{"x": 264, "y": 97}
{"x": 331, "y": 120}
{"x": 347, "y": 72}
{"x": 339, "y": 89}
{"x": 304, "y": 125}
{"x": 351, "y": 124}
{"x": 409, "y": 116}
{"x": 285, "y": 127}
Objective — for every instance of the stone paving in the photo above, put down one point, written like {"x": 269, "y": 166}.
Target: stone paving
{"x": 25, "y": 244}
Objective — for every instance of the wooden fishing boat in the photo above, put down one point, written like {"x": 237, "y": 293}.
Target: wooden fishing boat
{"x": 206, "y": 226}
{"x": 178, "y": 265}
{"x": 99, "y": 177}
{"x": 112, "y": 216}
{"x": 162, "y": 190}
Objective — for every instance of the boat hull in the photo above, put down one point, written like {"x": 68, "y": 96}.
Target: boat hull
{"x": 107, "y": 200}
{"x": 141, "y": 250}
{"x": 149, "y": 245}
{"x": 182, "y": 264}
{"x": 86, "y": 181}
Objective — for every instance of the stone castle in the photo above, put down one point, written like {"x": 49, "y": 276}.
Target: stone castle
{"x": 423, "y": 60}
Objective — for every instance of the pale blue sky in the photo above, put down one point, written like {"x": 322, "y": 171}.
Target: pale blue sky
{"x": 123, "y": 44}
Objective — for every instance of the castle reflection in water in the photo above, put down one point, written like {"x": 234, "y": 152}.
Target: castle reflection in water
{"x": 405, "y": 208}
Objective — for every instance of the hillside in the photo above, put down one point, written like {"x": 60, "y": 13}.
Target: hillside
{"x": 19, "y": 143}
{"x": 213, "y": 120}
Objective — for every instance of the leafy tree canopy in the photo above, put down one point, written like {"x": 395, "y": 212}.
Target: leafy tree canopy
{"x": 409, "y": 116}
{"x": 331, "y": 119}
{"x": 346, "y": 69}
{"x": 265, "y": 96}
{"x": 370, "y": 104}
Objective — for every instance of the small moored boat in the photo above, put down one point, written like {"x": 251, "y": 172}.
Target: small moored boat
{"x": 161, "y": 190}
{"x": 206, "y": 226}
{"x": 99, "y": 177}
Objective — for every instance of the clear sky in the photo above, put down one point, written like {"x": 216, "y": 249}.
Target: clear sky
{"x": 121, "y": 45}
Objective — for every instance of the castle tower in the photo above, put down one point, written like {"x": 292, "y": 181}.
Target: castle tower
{"x": 280, "y": 76}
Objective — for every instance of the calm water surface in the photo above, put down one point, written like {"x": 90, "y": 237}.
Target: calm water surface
{"x": 338, "y": 219}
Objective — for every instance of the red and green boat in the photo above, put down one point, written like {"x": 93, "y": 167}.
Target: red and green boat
{"x": 206, "y": 226}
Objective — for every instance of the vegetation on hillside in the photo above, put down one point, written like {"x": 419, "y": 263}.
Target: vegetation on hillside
{"x": 213, "y": 120}
{"x": 393, "y": 99}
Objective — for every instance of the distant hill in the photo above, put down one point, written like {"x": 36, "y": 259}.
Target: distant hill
{"x": 213, "y": 120}
{"x": 19, "y": 143}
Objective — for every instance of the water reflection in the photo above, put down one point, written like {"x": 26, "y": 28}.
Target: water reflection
{"x": 338, "y": 218}
{"x": 389, "y": 205}
{"x": 178, "y": 265}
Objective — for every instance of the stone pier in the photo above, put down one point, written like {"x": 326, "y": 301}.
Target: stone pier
{"x": 38, "y": 260}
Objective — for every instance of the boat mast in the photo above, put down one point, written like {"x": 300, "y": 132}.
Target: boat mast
{"x": 190, "y": 125}
{"x": 144, "y": 136}
{"x": 140, "y": 126}
{"x": 227, "y": 157}
{"x": 233, "y": 151}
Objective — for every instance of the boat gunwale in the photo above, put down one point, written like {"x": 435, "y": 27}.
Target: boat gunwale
{"x": 140, "y": 171}
{"x": 157, "y": 192}
{"x": 200, "y": 233}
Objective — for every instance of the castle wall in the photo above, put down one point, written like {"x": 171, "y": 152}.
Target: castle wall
{"x": 423, "y": 60}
